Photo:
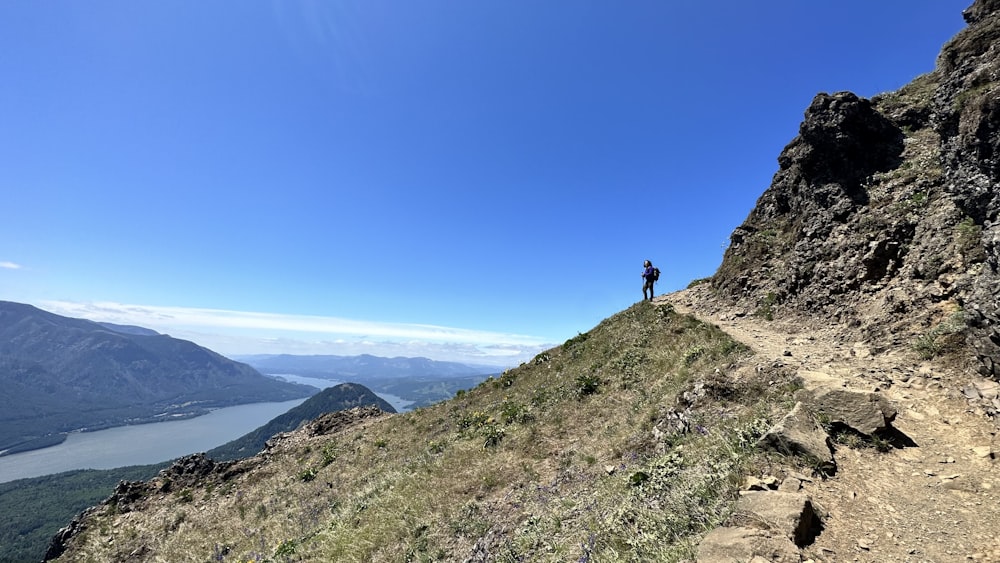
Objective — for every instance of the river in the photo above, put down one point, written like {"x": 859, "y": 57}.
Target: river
{"x": 144, "y": 444}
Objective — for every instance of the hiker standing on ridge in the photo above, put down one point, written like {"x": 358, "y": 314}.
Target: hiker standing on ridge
{"x": 649, "y": 275}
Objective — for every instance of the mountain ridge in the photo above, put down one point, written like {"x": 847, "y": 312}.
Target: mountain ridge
{"x": 869, "y": 268}
{"x": 362, "y": 366}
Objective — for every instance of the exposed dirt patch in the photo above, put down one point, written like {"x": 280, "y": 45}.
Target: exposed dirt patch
{"x": 934, "y": 501}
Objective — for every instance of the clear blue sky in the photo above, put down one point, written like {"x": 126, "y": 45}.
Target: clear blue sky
{"x": 459, "y": 180}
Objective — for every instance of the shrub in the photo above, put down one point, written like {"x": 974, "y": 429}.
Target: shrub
{"x": 307, "y": 474}
{"x": 587, "y": 384}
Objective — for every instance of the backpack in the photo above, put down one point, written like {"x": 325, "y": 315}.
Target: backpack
{"x": 656, "y": 274}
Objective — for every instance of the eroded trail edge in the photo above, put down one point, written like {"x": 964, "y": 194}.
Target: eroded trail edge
{"x": 932, "y": 501}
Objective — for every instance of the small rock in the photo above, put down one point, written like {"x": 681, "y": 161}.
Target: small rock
{"x": 971, "y": 392}
{"x": 770, "y": 481}
{"x": 801, "y": 477}
{"x": 983, "y": 451}
{"x": 790, "y": 484}
{"x": 752, "y": 483}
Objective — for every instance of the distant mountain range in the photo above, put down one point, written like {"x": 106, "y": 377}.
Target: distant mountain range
{"x": 60, "y": 374}
{"x": 360, "y": 368}
{"x": 421, "y": 381}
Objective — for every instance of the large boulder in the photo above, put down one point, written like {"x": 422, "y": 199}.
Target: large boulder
{"x": 864, "y": 412}
{"x": 787, "y": 513}
{"x": 739, "y": 545}
{"x": 798, "y": 434}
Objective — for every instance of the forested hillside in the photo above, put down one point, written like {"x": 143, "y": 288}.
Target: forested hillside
{"x": 61, "y": 374}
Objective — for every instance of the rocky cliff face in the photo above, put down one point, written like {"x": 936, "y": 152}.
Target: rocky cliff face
{"x": 883, "y": 215}
{"x": 967, "y": 116}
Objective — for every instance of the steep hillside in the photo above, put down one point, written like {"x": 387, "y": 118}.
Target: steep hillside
{"x": 35, "y": 509}
{"x": 61, "y": 374}
{"x": 629, "y": 439}
{"x": 883, "y": 215}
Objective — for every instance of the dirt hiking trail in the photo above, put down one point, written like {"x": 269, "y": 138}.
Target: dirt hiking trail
{"x": 936, "y": 501}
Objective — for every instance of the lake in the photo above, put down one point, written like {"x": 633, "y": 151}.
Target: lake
{"x": 144, "y": 444}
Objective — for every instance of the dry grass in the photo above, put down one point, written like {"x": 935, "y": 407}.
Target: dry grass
{"x": 624, "y": 444}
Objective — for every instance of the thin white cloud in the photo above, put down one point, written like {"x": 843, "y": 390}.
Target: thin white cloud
{"x": 244, "y": 332}
{"x": 10, "y": 266}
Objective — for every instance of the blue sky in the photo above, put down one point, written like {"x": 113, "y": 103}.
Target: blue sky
{"x": 472, "y": 181}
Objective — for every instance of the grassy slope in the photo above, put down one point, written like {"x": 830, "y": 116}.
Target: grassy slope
{"x": 581, "y": 454}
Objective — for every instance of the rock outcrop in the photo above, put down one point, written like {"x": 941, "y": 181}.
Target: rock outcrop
{"x": 773, "y": 521}
{"x": 884, "y": 214}
{"x": 776, "y": 524}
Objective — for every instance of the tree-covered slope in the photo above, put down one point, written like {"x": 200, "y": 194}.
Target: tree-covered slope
{"x": 61, "y": 374}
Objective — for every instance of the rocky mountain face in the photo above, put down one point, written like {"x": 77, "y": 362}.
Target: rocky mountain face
{"x": 883, "y": 215}
{"x": 60, "y": 374}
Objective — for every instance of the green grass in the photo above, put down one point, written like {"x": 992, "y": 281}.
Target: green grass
{"x": 942, "y": 337}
